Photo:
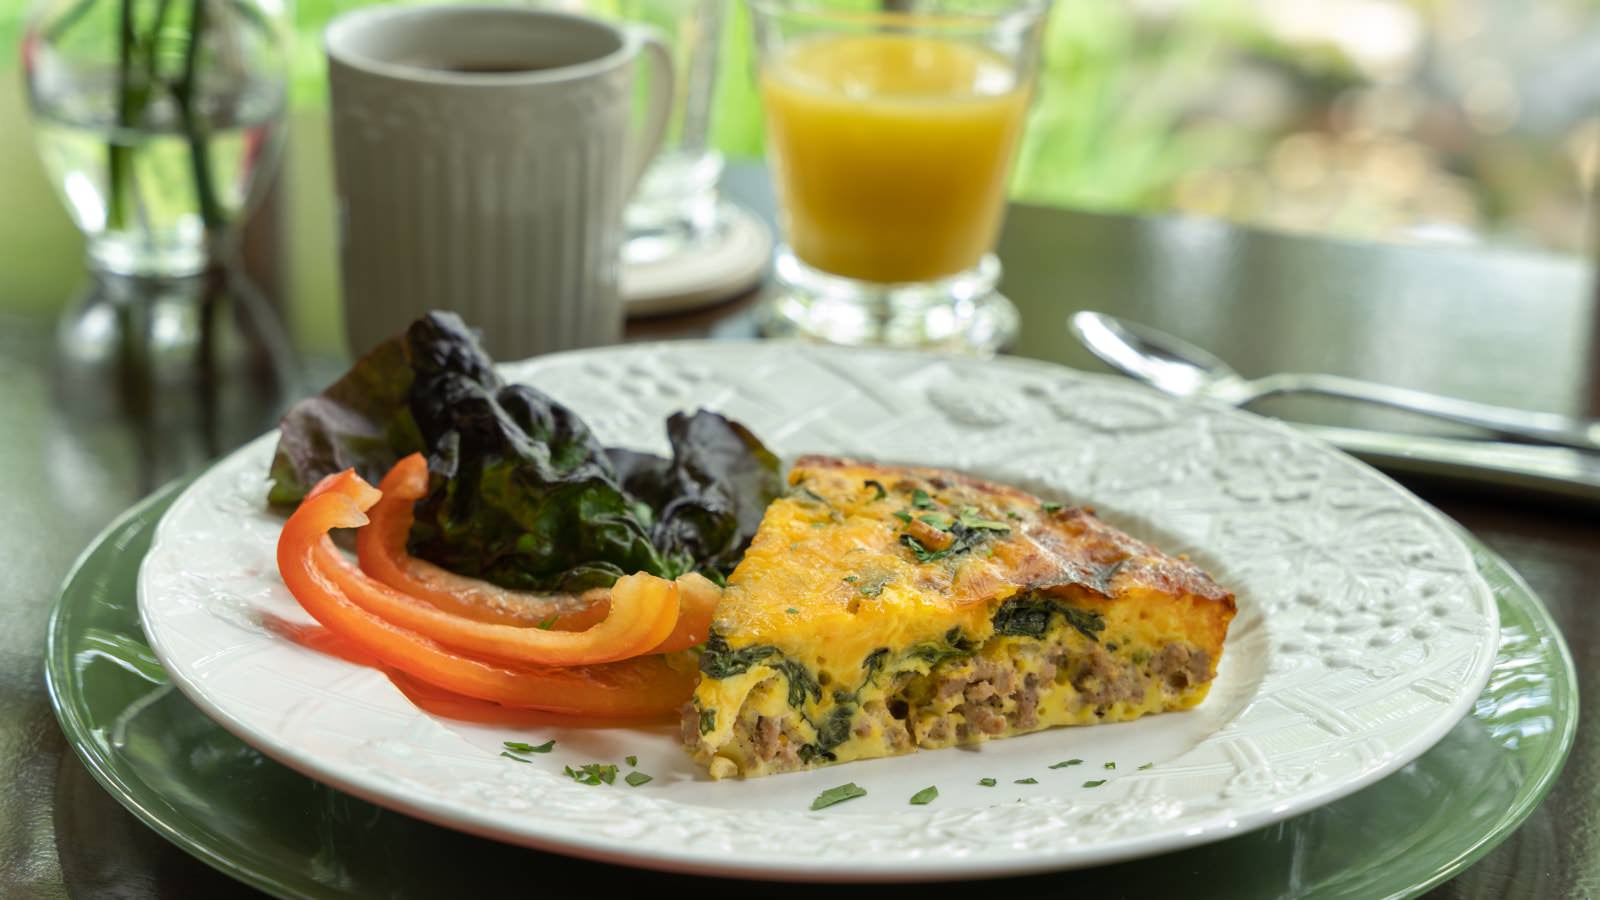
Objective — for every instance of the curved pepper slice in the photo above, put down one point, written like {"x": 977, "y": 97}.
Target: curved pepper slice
{"x": 642, "y": 612}
{"x": 644, "y": 686}
{"x": 381, "y": 548}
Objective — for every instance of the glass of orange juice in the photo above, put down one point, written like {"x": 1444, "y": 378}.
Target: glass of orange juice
{"x": 891, "y": 127}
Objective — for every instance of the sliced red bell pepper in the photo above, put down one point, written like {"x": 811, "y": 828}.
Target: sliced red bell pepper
{"x": 642, "y": 612}
{"x": 381, "y": 548}
{"x": 643, "y": 686}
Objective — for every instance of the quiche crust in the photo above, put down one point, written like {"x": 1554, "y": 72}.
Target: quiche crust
{"x": 881, "y": 609}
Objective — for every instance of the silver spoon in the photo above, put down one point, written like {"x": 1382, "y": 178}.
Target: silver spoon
{"x": 1184, "y": 370}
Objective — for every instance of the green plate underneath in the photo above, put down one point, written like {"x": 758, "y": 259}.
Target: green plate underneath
{"x": 260, "y": 822}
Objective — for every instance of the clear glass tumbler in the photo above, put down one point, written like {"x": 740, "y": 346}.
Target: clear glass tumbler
{"x": 891, "y": 134}
{"x": 675, "y": 206}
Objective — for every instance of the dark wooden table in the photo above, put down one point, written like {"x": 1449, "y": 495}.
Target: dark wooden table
{"x": 87, "y": 426}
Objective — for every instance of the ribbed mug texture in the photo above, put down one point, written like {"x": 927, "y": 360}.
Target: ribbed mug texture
{"x": 502, "y": 202}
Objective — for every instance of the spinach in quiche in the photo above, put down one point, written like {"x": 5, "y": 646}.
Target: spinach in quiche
{"x": 1029, "y": 616}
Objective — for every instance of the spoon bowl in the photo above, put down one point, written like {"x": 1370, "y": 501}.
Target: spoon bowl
{"x": 1166, "y": 363}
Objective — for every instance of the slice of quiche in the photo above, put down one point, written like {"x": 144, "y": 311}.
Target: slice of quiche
{"x": 883, "y": 609}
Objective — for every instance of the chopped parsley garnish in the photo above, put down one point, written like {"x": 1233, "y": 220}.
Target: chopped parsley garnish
{"x": 1149, "y": 765}
{"x": 1094, "y": 783}
{"x": 903, "y": 516}
{"x": 632, "y": 760}
{"x": 924, "y": 796}
{"x": 549, "y": 623}
{"x": 838, "y": 794}
{"x": 1050, "y": 507}
{"x": 851, "y": 578}
{"x": 1013, "y": 514}
{"x": 874, "y": 585}
{"x": 708, "y": 721}
{"x": 792, "y": 611}
{"x": 923, "y": 554}
{"x": 515, "y": 757}
{"x": 971, "y": 520}
{"x": 592, "y": 774}
{"x": 1067, "y": 762}
{"x": 520, "y": 747}
{"x": 1111, "y": 765}
{"x": 921, "y": 500}
{"x": 987, "y": 782}
{"x": 940, "y": 521}
{"x": 1026, "y": 781}
{"x": 634, "y": 779}
{"x": 881, "y": 493}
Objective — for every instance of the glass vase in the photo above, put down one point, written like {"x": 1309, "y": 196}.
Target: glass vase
{"x": 157, "y": 121}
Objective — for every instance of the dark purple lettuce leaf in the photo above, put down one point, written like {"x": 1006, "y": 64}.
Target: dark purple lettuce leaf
{"x": 361, "y": 421}
{"x": 709, "y": 500}
{"x": 521, "y": 493}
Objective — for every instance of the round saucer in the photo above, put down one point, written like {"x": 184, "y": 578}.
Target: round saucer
{"x": 731, "y": 260}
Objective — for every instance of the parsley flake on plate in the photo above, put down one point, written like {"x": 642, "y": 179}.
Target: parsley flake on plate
{"x": 1094, "y": 783}
{"x": 634, "y": 779}
{"x": 1026, "y": 781}
{"x": 838, "y": 794}
{"x": 987, "y": 782}
{"x": 1067, "y": 762}
{"x": 520, "y": 747}
{"x": 924, "y": 796}
{"x": 592, "y": 774}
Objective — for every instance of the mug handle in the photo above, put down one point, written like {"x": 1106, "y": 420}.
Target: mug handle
{"x": 642, "y": 149}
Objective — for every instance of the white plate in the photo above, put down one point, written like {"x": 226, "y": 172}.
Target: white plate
{"x": 1363, "y": 633}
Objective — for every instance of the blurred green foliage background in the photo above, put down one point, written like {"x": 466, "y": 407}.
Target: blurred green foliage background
{"x": 1395, "y": 120}
{"x": 1452, "y": 120}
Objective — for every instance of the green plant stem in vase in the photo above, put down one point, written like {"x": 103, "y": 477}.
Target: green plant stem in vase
{"x": 194, "y": 128}
{"x": 155, "y": 118}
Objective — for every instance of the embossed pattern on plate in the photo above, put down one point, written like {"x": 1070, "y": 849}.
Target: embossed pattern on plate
{"x": 1364, "y": 631}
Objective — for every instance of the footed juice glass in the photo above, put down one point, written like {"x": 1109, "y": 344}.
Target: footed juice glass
{"x": 891, "y": 135}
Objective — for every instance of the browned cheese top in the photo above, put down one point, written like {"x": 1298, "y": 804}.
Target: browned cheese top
{"x": 859, "y": 555}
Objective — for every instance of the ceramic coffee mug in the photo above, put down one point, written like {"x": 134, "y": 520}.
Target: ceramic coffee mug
{"x": 483, "y": 159}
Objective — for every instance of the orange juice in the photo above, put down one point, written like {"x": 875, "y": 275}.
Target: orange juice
{"x": 891, "y": 152}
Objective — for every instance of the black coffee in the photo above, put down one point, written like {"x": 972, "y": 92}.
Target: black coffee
{"x": 492, "y": 68}
{"x": 480, "y": 68}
